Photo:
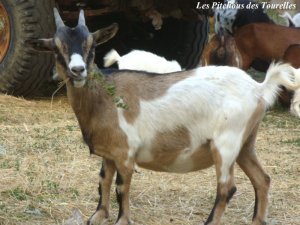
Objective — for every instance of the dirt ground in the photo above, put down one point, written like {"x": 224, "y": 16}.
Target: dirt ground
{"x": 46, "y": 171}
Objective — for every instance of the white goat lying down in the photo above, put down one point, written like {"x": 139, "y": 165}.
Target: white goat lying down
{"x": 291, "y": 21}
{"x": 179, "y": 122}
{"x": 141, "y": 60}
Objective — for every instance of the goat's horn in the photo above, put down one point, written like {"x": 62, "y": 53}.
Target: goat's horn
{"x": 58, "y": 20}
{"x": 81, "y": 20}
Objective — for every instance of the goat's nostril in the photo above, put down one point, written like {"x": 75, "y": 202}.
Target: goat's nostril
{"x": 77, "y": 69}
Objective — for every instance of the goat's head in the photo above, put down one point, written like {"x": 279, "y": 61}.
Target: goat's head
{"x": 222, "y": 50}
{"x": 74, "y": 48}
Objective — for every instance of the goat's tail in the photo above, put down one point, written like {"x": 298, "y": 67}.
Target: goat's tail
{"x": 111, "y": 57}
{"x": 279, "y": 74}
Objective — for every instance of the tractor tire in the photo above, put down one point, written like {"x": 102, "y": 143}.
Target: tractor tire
{"x": 23, "y": 71}
{"x": 182, "y": 40}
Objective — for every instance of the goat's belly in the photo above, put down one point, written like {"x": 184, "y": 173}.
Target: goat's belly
{"x": 175, "y": 160}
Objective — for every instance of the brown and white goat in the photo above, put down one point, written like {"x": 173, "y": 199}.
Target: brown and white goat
{"x": 178, "y": 122}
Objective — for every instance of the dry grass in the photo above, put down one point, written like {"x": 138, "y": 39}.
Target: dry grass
{"x": 46, "y": 171}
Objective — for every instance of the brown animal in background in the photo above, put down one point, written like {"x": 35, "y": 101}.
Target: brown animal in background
{"x": 264, "y": 41}
{"x": 292, "y": 55}
{"x": 267, "y": 42}
{"x": 255, "y": 45}
{"x": 221, "y": 50}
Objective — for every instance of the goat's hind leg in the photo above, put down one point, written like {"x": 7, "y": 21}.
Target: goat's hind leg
{"x": 260, "y": 180}
{"x": 225, "y": 178}
{"x": 107, "y": 172}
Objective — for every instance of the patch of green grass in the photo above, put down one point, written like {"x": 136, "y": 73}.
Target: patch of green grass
{"x": 52, "y": 186}
{"x": 32, "y": 210}
{"x": 3, "y": 119}
{"x": 295, "y": 142}
{"x": 74, "y": 193}
{"x": 8, "y": 164}
{"x": 18, "y": 194}
{"x": 280, "y": 117}
{"x": 2, "y": 207}
{"x": 72, "y": 127}
{"x": 256, "y": 75}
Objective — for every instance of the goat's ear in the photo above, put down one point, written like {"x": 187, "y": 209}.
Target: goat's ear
{"x": 41, "y": 45}
{"x": 104, "y": 34}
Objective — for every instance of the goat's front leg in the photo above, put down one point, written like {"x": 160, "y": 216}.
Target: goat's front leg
{"x": 107, "y": 172}
{"x": 124, "y": 175}
{"x": 224, "y": 163}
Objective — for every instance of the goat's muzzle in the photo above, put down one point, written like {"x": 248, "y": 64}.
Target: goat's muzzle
{"x": 78, "y": 76}
{"x": 77, "y": 70}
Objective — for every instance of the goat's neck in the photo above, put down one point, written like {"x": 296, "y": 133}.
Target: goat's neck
{"x": 84, "y": 100}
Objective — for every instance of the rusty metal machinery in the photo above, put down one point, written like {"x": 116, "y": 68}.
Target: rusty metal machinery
{"x": 4, "y": 32}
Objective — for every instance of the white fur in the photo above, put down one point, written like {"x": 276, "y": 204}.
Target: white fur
{"x": 111, "y": 57}
{"x": 295, "y": 106}
{"x": 226, "y": 19}
{"x": 215, "y": 103}
{"x": 295, "y": 19}
{"x": 77, "y": 60}
{"x": 141, "y": 60}
{"x": 79, "y": 83}
{"x": 283, "y": 73}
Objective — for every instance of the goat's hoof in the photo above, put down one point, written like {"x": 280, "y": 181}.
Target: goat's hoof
{"x": 98, "y": 218}
{"x": 124, "y": 221}
{"x": 259, "y": 222}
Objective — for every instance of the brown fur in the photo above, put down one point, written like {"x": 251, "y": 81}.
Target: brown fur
{"x": 102, "y": 211}
{"x": 221, "y": 50}
{"x": 255, "y": 119}
{"x": 260, "y": 180}
{"x": 146, "y": 87}
{"x": 202, "y": 157}
{"x": 86, "y": 46}
{"x": 99, "y": 122}
{"x": 248, "y": 162}
{"x": 167, "y": 146}
{"x": 98, "y": 119}
{"x": 264, "y": 41}
{"x": 268, "y": 42}
{"x": 292, "y": 55}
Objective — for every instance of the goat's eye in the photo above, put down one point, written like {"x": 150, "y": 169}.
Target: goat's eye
{"x": 64, "y": 48}
{"x": 84, "y": 48}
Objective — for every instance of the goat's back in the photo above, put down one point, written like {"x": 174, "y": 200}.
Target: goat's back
{"x": 265, "y": 40}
